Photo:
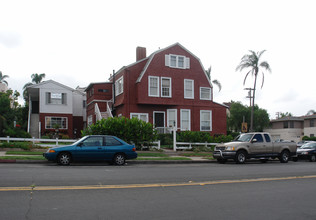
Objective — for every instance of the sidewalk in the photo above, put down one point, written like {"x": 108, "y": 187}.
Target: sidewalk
{"x": 150, "y": 160}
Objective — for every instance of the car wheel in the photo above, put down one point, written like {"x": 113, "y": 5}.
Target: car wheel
{"x": 119, "y": 159}
{"x": 284, "y": 157}
{"x": 63, "y": 158}
{"x": 312, "y": 158}
{"x": 241, "y": 157}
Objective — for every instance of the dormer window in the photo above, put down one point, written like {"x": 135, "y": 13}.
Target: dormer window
{"x": 177, "y": 61}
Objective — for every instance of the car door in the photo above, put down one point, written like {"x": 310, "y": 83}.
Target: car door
{"x": 258, "y": 146}
{"x": 112, "y": 146}
{"x": 91, "y": 148}
{"x": 268, "y": 144}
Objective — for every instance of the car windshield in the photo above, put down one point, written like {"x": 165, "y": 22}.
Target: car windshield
{"x": 308, "y": 146}
{"x": 78, "y": 141}
{"x": 244, "y": 137}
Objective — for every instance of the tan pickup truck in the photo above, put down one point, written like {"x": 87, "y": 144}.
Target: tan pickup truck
{"x": 254, "y": 145}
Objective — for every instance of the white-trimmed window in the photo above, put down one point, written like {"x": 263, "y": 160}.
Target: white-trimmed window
{"x": 56, "y": 98}
{"x": 90, "y": 120}
{"x": 51, "y": 122}
{"x": 185, "y": 116}
{"x": 140, "y": 116}
{"x": 206, "y": 120}
{"x": 119, "y": 86}
{"x": 189, "y": 89}
{"x": 177, "y": 61}
{"x": 153, "y": 86}
{"x": 165, "y": 87}
{"x": 205, "y": 93}
{"x": 171, "y": 117}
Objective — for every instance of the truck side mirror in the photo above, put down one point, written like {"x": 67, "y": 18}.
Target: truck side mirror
{"x": 254, "y": 140}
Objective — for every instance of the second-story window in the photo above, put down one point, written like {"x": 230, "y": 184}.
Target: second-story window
{"x": 205, "y": 93}
{"x": 119, "y": 86}
{"x": 189, "y": 89}
{"x": 165, "y": 87}
{"x": 56, "y": 98}
{"x": 153, "y": 86}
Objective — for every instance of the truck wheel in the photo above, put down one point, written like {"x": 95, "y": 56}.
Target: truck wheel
{"x": 241, "y": 157}
{"x": 284, "y": 157}
{"x": 312, "y": 158}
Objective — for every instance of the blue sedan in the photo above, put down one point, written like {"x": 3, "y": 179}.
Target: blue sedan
{"x": 93, "y": 148}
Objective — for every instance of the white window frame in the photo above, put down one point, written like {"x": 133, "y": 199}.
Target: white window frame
{"x": 119, "y": 86}
{"x": 90, "y": 120}
{"x": 182, "y": 119}
{"x": 205, "y": 111}
{"x": 51, "y": 126}
{"x": 170, "y": 87}
{"x": 177, "y": 61}
{"x": 149, "y": 78}
{"x": 210, "y": 93}
{"x": 185, "y": 89}
{"x": 168, "y": 117}
{"x": 138, "y": 115}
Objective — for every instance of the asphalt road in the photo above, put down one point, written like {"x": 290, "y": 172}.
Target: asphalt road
{"x": 176, "y": 191}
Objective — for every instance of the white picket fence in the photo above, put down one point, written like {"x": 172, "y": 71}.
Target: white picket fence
{"x": 37, "y": 140}
{"x": 188, "y": 145}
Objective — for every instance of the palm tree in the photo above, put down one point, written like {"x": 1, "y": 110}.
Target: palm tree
{"x": 215, "y": 81}
{"x": 36, "y": 78}
{"x": 2, "y": 78}
{"x": 252, "y": 61}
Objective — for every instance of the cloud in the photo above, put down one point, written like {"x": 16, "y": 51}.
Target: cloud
{"x": 10, "y": 39}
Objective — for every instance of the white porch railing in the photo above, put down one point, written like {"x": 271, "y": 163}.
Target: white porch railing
{"x": 97, "y": 112}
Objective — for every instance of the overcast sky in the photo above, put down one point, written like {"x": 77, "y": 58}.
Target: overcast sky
{"x": 77, "y": 42}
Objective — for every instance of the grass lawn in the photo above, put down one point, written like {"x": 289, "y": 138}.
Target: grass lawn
{"x": 23, "y": 158}
{"x": 24, "y": 153}
{"x": 151, "y": 154}
{"x": 199, "y": 154}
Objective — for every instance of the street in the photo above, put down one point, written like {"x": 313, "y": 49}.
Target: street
{"x": 170, "y": 191}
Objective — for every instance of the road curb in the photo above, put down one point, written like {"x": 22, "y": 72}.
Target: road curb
{"x": 128, "y": 161}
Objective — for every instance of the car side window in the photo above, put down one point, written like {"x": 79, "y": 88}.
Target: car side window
{"x": 267, "y": 137}
{"x": 93, "y": 141}
{"x": 111, "y": 141}
{"x": 258, "y": 137}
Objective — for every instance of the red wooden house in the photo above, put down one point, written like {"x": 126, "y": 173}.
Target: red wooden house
{"x": 169, "y": 87}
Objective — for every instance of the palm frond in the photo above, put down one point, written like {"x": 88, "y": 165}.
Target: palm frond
{"x": 216, "y": 82}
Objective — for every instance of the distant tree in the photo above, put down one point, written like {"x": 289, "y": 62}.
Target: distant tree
{"x": 36, "y": 79}
{"x": 3, "y": 77}
{"x": 238, "y": 112}
{"x": 311, "y": 112}
{"x": 287, "y": 114}
{"x": 215, "y": 81}
{"x": 252, "y": 61}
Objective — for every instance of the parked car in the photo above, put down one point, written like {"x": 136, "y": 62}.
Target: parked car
{"x": 93, "y": 148}
{"x": 254, "y": 145}
{"x": 306, "y": 152}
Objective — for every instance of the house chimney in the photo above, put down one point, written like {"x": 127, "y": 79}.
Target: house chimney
{"x": 140, "y": 53}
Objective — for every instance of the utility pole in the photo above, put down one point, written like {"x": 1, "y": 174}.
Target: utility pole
{"x": 250, "y": 96}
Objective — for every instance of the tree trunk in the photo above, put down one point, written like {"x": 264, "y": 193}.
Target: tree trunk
{"x": 253, "y": 103}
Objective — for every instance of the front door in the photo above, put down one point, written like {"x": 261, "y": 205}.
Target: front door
{"x": 159, "y": 119}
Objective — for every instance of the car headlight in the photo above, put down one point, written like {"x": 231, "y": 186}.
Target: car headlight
{"x": 51, "y": 151}
{"x": 230, "y": 148}
{"x": 305, "y": 153}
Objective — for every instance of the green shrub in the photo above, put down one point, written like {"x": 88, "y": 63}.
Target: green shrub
{"x": 22, "y": 145}
{"x": 130, "y": 130}
{"x": 306, "y": 138}
{"x": 17, "y": 132}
